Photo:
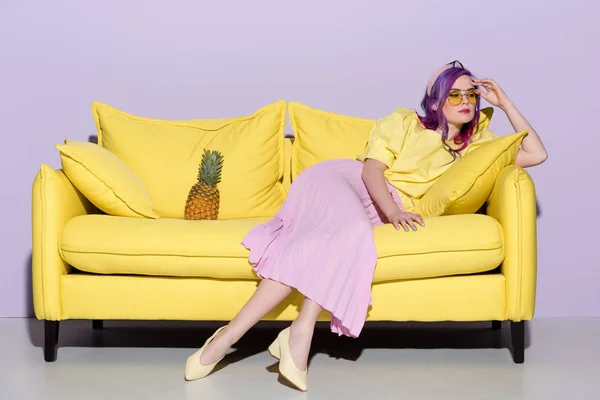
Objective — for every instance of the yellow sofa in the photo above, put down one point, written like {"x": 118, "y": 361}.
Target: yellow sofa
{"x": 93, "y": 266}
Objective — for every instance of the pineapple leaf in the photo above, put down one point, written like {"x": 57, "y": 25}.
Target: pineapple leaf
{"x": 211, "y": 167}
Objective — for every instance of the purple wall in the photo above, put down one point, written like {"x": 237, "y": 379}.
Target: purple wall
{"x": 219, "y": 59}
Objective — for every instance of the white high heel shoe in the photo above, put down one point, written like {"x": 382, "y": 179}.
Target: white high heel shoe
{"x": 193, "y": 369}
{"x": 280, "y": 349}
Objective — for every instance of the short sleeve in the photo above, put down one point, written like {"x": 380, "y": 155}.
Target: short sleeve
{"x": 481, "y": 138}
{"x": 387, "y": 134}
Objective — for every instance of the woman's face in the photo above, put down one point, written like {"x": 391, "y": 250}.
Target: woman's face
{"x": 459, "y": 106}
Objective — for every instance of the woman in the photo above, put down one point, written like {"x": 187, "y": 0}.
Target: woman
{"x": 321, "y": 241}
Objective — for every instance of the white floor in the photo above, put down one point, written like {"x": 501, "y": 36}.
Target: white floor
{"x": 144, "y": 360}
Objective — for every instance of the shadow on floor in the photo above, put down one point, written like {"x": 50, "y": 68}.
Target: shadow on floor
{"x": 186, "y": 334}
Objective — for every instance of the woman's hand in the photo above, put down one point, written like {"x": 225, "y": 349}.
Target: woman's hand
{"x": 405, "y": 219}
{"x": 494, "y": 93}
{"x": 532, "y": 151}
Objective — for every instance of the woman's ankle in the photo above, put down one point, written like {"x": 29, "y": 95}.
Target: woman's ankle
{"x": 229, "y": 336}
{"x": 302, "y": 328}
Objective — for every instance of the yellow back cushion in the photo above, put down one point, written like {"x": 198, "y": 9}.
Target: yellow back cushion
{"x": 166, "y": 155}
{"x": 321, "y": 135}
{"x": 466, "y": 185}
{"x": 105, "y": 180}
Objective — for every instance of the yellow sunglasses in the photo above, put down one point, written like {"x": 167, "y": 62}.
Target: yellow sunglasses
{"x": 455, "y": 97}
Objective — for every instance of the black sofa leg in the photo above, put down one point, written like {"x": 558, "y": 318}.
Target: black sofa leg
{"x": 98, "y": 324}
{"x": 496, "y": 325}
{"x": 517, "y": 333}
{"x": 50, "y": 340}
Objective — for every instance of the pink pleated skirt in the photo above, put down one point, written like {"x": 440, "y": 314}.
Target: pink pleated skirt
{"x": 321, "y": 242}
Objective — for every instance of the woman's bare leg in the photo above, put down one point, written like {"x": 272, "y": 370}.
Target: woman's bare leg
{"x": 268, "y": 294}
{"x": 302, "y": 331}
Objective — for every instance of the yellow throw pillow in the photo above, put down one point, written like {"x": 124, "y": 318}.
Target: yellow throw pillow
{"x": 166, "y": 155}
{"x": 321, "y": 135}
{"x": 466, "y": 186}
{"x": 105, "y": 180}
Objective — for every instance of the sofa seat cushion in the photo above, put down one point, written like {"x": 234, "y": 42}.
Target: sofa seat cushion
{"x": 447, "y": 245}
{"x": 104, "y": 244}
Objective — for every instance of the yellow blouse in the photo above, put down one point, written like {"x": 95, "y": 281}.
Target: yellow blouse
{"x": 413, "y": 154}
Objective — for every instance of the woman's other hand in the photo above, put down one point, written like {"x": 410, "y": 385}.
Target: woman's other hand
{"x": 405, "y": 219}
{"x": 493, "y": 94}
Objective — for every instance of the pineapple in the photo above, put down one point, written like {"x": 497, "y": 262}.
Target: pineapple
{"x": 204, "y": 197}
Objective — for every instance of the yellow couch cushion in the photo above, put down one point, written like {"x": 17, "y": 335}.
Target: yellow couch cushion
{"x": 320, "y": 135}
{"x": 105, "y": 180}
{"x": 173, "y": 247}
{"x": 104, "y": 244}
{"x": 166, "y": 156}
{"x": 466, "y": 185}
{"x": 448, "y": 245}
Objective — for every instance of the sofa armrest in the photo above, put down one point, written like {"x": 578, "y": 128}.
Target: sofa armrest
{"x": 513, "y": 204}
{"x": 54, "y": 201}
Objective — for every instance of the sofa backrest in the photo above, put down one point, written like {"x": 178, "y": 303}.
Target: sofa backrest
{"x": 287, "y": 156}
